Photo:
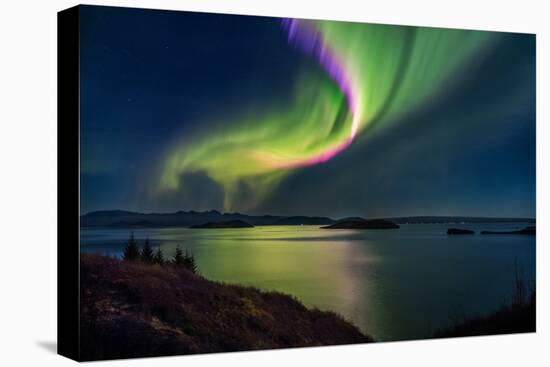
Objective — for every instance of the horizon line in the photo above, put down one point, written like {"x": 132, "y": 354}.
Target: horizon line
{"x": 302, "y": 215}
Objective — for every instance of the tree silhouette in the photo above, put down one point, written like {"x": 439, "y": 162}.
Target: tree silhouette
{"x": 131, "y": 251}
{"x": 186, "y": 260}
{"x": 179, "y": 259}
{"x": 190, "y": 262}
{"x": 158, "y": 258}
{"x": 147, "y": 252}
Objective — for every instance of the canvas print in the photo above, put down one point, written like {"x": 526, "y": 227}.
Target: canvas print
{"x": 255, "y": 183}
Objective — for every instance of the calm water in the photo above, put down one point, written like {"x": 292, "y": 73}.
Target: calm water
{"x": 393, "y": 284}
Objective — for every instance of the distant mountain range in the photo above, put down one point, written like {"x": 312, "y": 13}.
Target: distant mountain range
{"x": 127, "y": 219}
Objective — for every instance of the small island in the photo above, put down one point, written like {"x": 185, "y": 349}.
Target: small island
{"x": 301, "y": 220}
{"x": 531, "y": 230}
{"x": 225, "y": 224}
{"x": 453, "y": 231}
{"x": 361, "y": 223}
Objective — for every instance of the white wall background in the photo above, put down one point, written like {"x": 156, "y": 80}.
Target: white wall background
{"x": 28, "y": 181}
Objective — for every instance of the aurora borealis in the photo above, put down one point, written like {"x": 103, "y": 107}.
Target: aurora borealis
{"x": 269, "y": 115}
{"x": 365, "y": 80}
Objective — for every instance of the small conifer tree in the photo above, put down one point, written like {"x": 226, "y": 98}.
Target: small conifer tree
{"x": 190, "y": 263}
{"x": 158, "y": 258}
{"x": 147, "y": 252}
{"x": 131, "y": 251}
{"x": 179, "y": 259}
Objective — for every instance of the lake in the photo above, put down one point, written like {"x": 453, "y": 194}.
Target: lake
{"x": 393, "y": 284}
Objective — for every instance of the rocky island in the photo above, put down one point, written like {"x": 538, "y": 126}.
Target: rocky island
{"x": 453, "y": 231}
{"x": 361, "y": 223}
{"x": 525, "y": 231}
{"x": 301, "y": 220}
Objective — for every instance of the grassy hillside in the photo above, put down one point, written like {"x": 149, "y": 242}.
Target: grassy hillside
{"x": 130, "y": 309}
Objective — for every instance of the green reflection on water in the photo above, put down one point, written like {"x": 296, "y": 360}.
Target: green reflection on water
{"x": 397, "y": 284}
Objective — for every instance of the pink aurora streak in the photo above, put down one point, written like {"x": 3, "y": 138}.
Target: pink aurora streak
{"x": 310, "y": 41}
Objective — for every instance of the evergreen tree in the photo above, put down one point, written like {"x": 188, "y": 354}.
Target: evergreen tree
{"x": 179, "y": 259}
{"x": 190, "y": 263}
{"x": 158, "y": 258}
{"x": 131, "y": 251}
{"x": 186, "y": 260}
{"x": 147, "y": 252}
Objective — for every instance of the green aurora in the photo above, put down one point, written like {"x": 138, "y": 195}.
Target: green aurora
{"x": 370, "y": 76}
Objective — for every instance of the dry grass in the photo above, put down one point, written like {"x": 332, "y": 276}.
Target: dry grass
{"x": 137, "y": 310}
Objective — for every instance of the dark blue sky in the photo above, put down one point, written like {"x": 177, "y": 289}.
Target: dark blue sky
{"x": 148, "y": 77}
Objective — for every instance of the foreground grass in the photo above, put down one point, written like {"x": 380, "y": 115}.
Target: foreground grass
{"x": 130, "y": 309}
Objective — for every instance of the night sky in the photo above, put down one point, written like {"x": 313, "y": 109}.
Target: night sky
{"x": 190, "y": 111}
